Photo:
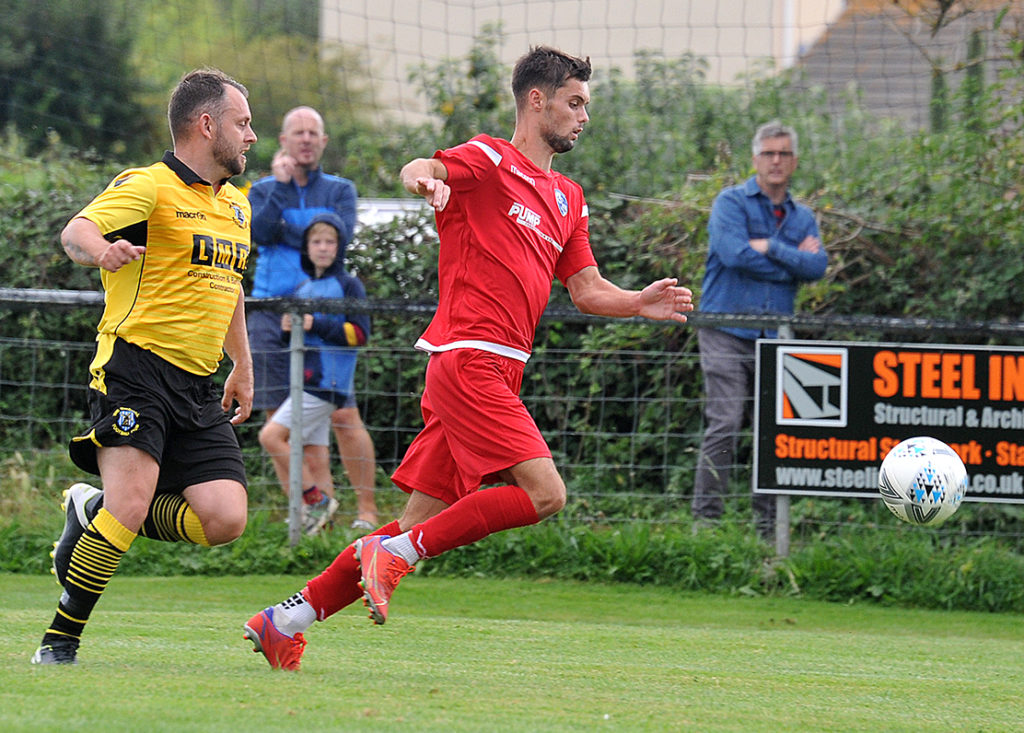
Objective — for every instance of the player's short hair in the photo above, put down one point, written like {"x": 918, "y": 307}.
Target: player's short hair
{"x": 547, "y": 69}
{"x": 770, "y": 130}
{"x": 202, "y": 91}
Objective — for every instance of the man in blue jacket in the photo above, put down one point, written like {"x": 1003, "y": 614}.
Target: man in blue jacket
{"x": 762, "y": 246}
{"x": 283, "y": 206}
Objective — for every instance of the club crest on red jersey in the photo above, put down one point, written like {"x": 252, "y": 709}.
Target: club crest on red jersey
{"x": 562, "y": 201}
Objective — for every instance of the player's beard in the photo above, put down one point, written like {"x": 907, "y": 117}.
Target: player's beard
{"x": 227, "y": 157}
{"x": 558, "y": 143}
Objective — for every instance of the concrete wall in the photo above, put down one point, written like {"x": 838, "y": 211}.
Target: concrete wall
{"x": 734, "y": 36}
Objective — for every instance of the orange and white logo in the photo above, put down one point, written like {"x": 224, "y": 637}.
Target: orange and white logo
{"x": 811, "y": 386}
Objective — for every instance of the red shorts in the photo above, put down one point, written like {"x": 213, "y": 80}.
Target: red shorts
{"x": 475, "y": 425}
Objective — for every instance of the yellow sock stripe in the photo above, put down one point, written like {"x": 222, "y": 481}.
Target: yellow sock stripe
{"x": 64, "y": 613}
{"x": 113, "y": 531}
{"x": 158, "y": 515}
{"x": 172, "y": 519}
{"x": 93, "y": 562}
{"x": 161, "y": 522}
{"x": 191, "y": 527}
{"x": 52, "y": 630}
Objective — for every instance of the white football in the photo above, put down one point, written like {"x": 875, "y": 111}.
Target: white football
{"x": 922, "y": 481}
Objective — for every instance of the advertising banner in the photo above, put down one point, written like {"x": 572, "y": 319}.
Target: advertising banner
{"x": 826, "y": 413}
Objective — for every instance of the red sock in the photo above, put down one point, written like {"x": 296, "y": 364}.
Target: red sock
{"x": 472, "y": 518}
{"x": 338, "y": 585}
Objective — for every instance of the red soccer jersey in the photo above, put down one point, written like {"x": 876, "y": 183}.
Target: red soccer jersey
{"x": 508, "y": 230}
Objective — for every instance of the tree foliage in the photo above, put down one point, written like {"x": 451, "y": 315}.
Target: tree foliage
{"x": 64, "y": 75}
{"x": 469, "y": 95}
{"x": 272, "y": 48}
{"x": 917, "y": 223}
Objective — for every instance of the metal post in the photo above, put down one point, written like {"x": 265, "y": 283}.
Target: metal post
{"x": 295, "y": 486}
{"x": 782, "y": 523}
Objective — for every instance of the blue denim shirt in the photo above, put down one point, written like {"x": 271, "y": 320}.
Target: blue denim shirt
{"x": 737, "y": 278}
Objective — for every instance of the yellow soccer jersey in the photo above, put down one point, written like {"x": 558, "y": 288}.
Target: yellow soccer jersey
{"x": 177, "y": 300}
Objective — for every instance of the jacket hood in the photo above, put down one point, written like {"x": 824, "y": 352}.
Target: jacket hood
{"x": 339, "y": 262}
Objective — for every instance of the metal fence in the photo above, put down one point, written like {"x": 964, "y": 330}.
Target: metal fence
{"x": 626, "y": 437}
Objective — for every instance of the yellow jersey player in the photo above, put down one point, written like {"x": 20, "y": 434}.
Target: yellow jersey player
{"x": 171, "y": 241}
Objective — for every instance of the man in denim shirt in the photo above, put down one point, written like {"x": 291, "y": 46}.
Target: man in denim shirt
{"x": 762, "y": 245}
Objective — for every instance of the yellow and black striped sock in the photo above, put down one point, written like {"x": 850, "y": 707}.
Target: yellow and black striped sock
{"x": 93, "y": 562}
{"x": 171, "y": 519}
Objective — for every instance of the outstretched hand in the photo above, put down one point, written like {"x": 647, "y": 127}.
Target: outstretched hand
{"x": 663, "y": 300}
{"x": 435, "y": 191}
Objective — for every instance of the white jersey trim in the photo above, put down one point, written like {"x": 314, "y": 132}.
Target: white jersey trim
{"x": 499, "y": 349}
{"x": 493, "y": 154}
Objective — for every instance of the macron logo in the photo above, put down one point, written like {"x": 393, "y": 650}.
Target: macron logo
{"x": 525, "y": 216}
{"x": 522, "y": 175}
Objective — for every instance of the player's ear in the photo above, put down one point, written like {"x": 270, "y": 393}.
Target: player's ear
{"x": 206, "y": 125}
{"x": 536, "y": 99}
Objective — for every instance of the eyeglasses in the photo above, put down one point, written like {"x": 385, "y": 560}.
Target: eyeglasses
{"x": 783, "y": 154}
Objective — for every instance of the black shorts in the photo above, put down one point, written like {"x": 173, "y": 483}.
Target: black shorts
{"x": 171, "y": 414}
{"x": 271, "y": 359}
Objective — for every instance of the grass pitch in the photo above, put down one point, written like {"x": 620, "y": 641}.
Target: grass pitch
{"x": 167, "y": 654}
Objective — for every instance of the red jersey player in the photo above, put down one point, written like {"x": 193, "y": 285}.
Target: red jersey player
{"x": 508, "y": 226}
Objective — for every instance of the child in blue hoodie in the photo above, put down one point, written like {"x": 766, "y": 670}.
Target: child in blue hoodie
{"x": 329, "y": 363}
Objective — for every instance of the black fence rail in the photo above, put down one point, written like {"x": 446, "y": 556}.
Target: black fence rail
{"x": 624, "y": 424}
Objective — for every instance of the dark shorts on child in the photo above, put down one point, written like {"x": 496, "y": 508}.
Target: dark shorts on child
{"x": 271, "y": 360}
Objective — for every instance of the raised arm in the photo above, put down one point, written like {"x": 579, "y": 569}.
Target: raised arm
{"x": 662, "y": 300}
{"x": 426, "y": 177}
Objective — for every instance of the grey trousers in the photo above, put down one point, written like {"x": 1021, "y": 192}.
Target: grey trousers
{"x": 728, "y": 366}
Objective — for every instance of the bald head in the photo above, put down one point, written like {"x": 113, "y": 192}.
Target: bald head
{"x": 302, "y": 115}
{"x": 302, "y": 137}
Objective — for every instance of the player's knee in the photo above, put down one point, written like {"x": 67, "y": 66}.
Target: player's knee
{"x": 267, "y": 438}
{"x": 226, "y": 527}
{"x": 550, "y": 501}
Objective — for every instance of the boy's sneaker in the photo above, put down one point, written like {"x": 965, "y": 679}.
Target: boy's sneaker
{"x": 57, "y": 651}
{"x": 79, "y": 513}
{"x": 281, "y": 651}
{"x": 381, "y": 571}
{"x": 319, "y": 515}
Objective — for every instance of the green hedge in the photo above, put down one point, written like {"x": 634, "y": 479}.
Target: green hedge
{"x": 917, "y": 224}
{"x": 913, "y": 568}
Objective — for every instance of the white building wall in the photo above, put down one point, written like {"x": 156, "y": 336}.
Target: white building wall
{"x": 736, "y": 37}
